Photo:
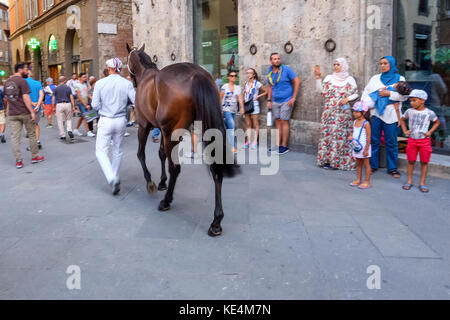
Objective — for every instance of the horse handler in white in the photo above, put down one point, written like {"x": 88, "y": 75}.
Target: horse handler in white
{"x": 110, "y": 100}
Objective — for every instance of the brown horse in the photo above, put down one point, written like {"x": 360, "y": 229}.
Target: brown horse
{"x": 171, "y": 99}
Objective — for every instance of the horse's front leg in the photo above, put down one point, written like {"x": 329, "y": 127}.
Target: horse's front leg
{"x": 215, "y": 229}
{"x": 174, "y": 171}
{"x": 143, "y": 133}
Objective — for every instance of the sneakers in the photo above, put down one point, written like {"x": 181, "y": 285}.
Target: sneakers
{"x": 283, "y": 150}
{"x": 77, "y": 133}
{"x": 39, "y": 145}
{"x": 127, "y": 134}
{"x": 62, "y": 138}
{"x": 3, "y": 139}
{"x": 37, "y": 159}
{"x": 274, "y": 149}
{"x": 246, "y": 145}
{"x": 19, "y": 165}
{"x": 90, "y": 134}
{"x": 254, "y": 146}
{"x": 71, "y": 136}
{"x": 130, "y": 124}
{"x": 49, "y": 126}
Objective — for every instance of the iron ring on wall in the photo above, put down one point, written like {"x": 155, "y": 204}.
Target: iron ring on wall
{"x": 253, "y": 49}
{"x": 288, "y": 47}
{"x": 173, "y": 56}
{"x": 155, "y": 58}
{"x": 330, "y": 45}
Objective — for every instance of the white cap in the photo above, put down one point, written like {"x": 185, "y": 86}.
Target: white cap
{"x": 418, "y": 94}
{"x": 114, "y": 63}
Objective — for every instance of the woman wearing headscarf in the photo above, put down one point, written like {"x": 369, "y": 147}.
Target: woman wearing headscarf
{"x": 388, "y": 120}
{"x": 337, "y": 123}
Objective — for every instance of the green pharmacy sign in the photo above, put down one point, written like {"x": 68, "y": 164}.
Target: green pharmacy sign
{"x": 33, "y": 43}
{"x": 2, "y": 73}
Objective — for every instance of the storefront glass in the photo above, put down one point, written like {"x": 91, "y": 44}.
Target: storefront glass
{"x": 423, "y": 53}
{"x": 216, "y": 37}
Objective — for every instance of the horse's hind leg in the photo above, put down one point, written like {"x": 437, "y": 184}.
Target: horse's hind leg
{"x": 162, "y": 155}
{"x": 215, "y": 229}
{"x": 143, "y": 133}
{"x": 174, "y": 171}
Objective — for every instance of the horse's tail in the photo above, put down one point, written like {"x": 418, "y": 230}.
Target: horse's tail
{"x": 208, "y": 111}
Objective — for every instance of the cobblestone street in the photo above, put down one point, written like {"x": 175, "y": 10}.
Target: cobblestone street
{"x": 301, "y": 234}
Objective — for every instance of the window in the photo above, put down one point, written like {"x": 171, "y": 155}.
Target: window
{"x": 6, "y": 56}
{"x": 1, "y": 35}
{"x": 216, "y": 36}
{"x": 423, "y": 57}
{"x": 17, "y": 14}
{"x": 423, "y": 7}
{"x": 447, "y": 7}
{"x": 34, "y": 8}
{"x": 48, "y": 4}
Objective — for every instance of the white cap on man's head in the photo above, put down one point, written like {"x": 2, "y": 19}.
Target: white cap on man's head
{"x": 418, "y": 94}
{"x": 114, "y": 63}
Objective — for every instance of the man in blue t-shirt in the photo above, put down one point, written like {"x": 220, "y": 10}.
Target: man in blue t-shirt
{"x": 37, "y": 98}
{"x": 282, "y": 92}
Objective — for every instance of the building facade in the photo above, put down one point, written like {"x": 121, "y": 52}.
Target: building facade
{"x": 231, "y": 34}
{"x": 61, "y": 37}
{"x": 5, "y": 70}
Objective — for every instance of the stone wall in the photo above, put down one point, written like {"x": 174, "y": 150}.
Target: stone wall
{"x": 167, "y": 26}
{"x": 118, "y": 13}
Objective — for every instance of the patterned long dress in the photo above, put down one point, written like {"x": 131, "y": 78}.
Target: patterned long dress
{"x": 336, "y": 127}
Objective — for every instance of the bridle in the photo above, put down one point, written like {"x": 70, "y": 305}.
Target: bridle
{"x": 128, "y": 64}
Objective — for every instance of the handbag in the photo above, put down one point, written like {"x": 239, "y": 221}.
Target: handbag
{"x": 354, "y": 143}
{"x": 90, "y": 115}
{"x": 249, "y": 107}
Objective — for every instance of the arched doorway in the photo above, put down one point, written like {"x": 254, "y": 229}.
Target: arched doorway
{"x": 18, "y": 56}
{"x": 72, "y": 53}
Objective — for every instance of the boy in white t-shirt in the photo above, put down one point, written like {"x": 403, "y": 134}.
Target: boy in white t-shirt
{"x": 419, "y": 141}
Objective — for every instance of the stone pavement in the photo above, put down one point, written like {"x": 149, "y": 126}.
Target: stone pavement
{"x": 301, "y": 234}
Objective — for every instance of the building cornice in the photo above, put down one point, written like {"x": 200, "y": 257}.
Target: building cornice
{"x": 58, "y": 9}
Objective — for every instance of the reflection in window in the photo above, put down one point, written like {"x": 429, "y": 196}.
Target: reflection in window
{"x": 423, "y": 54}
{"x": 216, "y": 36}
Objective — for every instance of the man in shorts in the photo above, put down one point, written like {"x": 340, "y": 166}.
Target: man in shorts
{"x": 50, "y": 109}
{"x": 37, "y": 98}
{"x": 282, "y": 90}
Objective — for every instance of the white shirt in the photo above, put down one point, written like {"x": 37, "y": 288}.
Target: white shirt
{"x": 389, "y": 116}
{"x": 111, "y": 95}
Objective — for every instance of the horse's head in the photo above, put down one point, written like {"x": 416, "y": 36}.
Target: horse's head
{"x": 138, "y": 62}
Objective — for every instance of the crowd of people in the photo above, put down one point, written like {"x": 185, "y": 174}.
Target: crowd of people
{"x": 350, "y": 139}
{"x": 350, "y": 136}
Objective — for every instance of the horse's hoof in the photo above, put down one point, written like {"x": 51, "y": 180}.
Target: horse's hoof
{"x": 163, "y": 206}
{"x": 151, "y": 187}
{"x": 162, "y": 187}
{"x": 213, "y": 233}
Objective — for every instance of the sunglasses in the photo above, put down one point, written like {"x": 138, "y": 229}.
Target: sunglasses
{"x": 232, "y": 76}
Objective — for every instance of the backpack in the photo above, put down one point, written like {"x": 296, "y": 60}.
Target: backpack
{"x": 11, "y": 91}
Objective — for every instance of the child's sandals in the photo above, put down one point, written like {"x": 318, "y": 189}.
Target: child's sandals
{"x": 364, "y": 186}
{"x": 407, "y": 186}
{"x": 355, "y": 184}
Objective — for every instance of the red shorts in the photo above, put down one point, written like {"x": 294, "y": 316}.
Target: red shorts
{"x": 422, "y": 146}
{"x": 49, "y": 109}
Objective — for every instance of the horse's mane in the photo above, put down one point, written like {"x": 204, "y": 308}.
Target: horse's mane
{"x": 146, "y": 60}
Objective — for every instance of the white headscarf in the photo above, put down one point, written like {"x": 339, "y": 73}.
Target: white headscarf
{"x": 115, "y": 64}
{"x": 343, "y": 75}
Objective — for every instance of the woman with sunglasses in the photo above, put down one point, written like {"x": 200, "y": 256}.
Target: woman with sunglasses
{"x": 251, "y": 92}
{"x": 231, "y": 96}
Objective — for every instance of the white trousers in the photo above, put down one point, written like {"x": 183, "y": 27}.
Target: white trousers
{"x": 110, "y": 129}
